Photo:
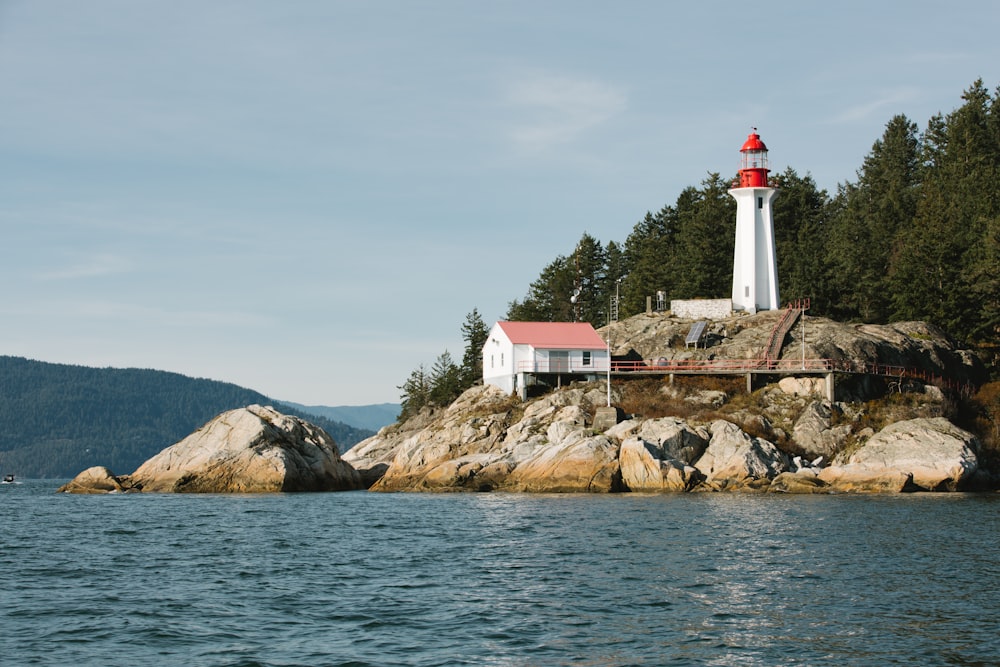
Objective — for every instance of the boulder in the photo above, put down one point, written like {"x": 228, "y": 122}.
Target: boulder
{"x": 644, "y": 469}
{"x": 673, "y": 438}
{"x": 939, "y": 455}
{"x": 800, "y": 481}
{"x": 250, "y": 450}
{"x": 447, "y": 453}
{"x": 802, "y": 386}
{"x": 573, "y": 460}
{"x": 469, "y": 447}
{"x": 815, "y": 433}
{"x": 95, "y": 480}
{"x": 736, "y": 459}
{"x": 854, "y": 478}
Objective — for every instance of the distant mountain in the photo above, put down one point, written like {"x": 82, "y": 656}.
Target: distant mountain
{"x": 58, "y": 419}
{"x": 371, "y": 417}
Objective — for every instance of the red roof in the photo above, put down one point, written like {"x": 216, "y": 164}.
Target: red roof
{"x": 753, "y": 143}
{"x": 553, "y": 335}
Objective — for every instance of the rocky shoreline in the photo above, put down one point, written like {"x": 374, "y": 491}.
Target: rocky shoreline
{"x": 551, "y": 447}
{"x": 784, "y": 438}
{"x": 251, "y": 450}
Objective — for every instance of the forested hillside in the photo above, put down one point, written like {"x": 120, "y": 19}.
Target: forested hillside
{"x": 915, "y": 237}
{"x": 56, "y": 419}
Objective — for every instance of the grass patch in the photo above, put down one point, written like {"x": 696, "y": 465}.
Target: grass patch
{"x": 655, "y": 397}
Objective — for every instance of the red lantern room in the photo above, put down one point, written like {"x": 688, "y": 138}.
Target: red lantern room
{"x": 753, "y": 163}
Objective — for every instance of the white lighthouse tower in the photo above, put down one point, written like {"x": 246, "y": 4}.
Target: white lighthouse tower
{"x": 755, "y": 267}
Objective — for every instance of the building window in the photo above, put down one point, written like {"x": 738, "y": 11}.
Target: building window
{"x": 586, "y": 357}
{"x": 760, "y": 202}
{"x": 491, "y": 361}
{"x": 501, "y": 360}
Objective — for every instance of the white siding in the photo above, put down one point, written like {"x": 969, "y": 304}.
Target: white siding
{"x": 503, "y": 361}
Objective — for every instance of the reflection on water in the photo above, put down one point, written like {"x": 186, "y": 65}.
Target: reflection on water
{"x": 499, "y": 579}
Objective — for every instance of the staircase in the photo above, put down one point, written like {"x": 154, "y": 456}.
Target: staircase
{"x": 772, "y": 351}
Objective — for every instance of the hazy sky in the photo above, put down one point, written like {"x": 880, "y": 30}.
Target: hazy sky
{"x": 306, "y": 197}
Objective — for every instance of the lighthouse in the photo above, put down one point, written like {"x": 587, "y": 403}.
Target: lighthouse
{"x": 755, "y": 267}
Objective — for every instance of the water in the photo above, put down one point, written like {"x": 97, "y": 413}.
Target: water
{"x": 498, "y": 579}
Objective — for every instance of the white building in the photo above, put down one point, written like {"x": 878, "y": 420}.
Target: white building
{"x": 755, "y": 264}
{"x": 519, "y": 354}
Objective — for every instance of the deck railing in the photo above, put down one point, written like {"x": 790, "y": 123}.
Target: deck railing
{"x": 563, "y": 366}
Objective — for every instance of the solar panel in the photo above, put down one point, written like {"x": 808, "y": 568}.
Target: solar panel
{"x": 697, "y": 330}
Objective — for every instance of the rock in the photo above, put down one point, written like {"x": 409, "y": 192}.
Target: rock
{"x": 708, "y": 397}
{"x": 674, "y": 439}
{"x": 814, "y": 431}
{"x": 95, "y": 480}
{"x": 574, "y": 461}
{"x": 800, "y": 481}
{"x": 734, "y": 458}
{"x": 249, "y": 450}
{"x": 802, "y": 386}
{"x": 644, "y": 469}
{"x": 854, "y": 478}
{"x": 449, "y": 451}
{"x": 467, "y": 447}
{"x": 939, "y": 455}
{"x": 606, "y": 417}
{"x": 909, "y": 344}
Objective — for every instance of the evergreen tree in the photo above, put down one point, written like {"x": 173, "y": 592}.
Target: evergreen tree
{"x": 870, "y": 215}
{"x": 548, "y": 298}
{"x": 445, "y": 380}
{"x": 984, "y": 281}
{"x": 569, "y": 289}
{"x": 589, "y": 282}
{"x": 800, "y": 238}
{"x": 706, "y": 238}
{"x": 914, "y": 238}
{"x": 614, "y": 272}
{"x": 930, "y": 273}
{"x": 416, "y": 393}
{"x": 474, "y": 333}
{"x": 648, "y": 257}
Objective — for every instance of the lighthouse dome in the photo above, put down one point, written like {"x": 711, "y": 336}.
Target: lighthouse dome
{"x": 753, "y": 143}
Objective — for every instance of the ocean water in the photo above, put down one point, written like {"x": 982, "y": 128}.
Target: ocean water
{"x": 498, "y": 579}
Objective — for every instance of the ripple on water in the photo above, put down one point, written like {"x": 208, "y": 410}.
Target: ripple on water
{"x": 498, "y": 579}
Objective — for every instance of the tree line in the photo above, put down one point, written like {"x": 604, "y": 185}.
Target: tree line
{"x": 915, "y": 237}
{"x": 59, "y": 419}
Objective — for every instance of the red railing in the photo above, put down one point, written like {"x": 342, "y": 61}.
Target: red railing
{"x": 781, "y": 328}
{"x": 720, "y": 366}
{"x": 597, "y": 366}
{"x": 786, "y": 366}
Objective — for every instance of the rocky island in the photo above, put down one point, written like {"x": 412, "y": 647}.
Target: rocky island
{"x": 685, "y": 434}
{"x": 251, "y": 450}
{"x": 704, "y": 433}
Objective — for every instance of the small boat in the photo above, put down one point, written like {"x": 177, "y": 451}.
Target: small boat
{"x": 8, "y": 479}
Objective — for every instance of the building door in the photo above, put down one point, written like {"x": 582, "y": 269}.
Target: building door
{"x": 558, "y": 361}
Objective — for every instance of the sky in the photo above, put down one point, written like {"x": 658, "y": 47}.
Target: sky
{"x": 306, "y": 198}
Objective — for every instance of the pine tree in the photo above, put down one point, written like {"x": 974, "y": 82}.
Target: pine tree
{"x": 869, "y": 217}
{"x": 548, "y": 298}
{"x": 930, "y": 273}
{"x": 648, "y": 257}
{"x": 589, "y": 266}
{"x": 706, "y": 238}
{"x": 614, "y": 273}
{"x": 445, "y": 380}
{"x": 474, "y": 333}
{"x": 416, "y": 393}
{"x": 800, "y": 238}
{"x": 984, "y": 283}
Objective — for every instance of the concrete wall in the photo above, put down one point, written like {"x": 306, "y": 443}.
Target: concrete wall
{"x": 702, "y": 309}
